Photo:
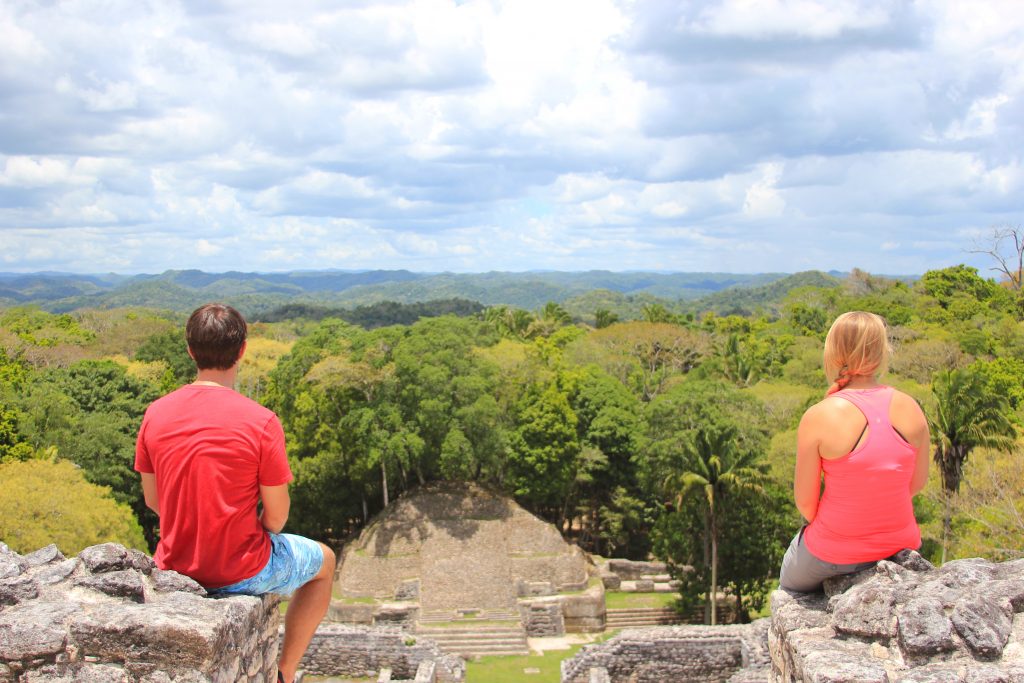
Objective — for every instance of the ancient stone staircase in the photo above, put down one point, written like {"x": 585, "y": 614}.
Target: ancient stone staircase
{"x": 637, "y": 617}
{"x": 488, "y": 632}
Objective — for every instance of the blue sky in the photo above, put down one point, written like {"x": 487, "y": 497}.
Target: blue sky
{"x": 741, "y": 136}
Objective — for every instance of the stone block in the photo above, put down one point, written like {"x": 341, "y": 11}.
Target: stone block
{"x": 106, "y": 557}
{"x": 796, "y": 611}
{"x": 34, "y": 629}
{"x": 15, "y": 589}
{"x": 924, "y": 628}
{"x": 632, "y": 569}
{"x": 611, "y": 581}
{"x": 933, "y": 673}
{"x": 396, "y": 614}
{"x": 938, "y": 590}
{"x": 56, "y": 572}
{"x": 123, "y": 583}
{"x": 643, "y": 586}
{"x": 350, "y": 614}
{"x": 985, "y": 625}
{"x": 10, "y": 568}
{"x": 171, "y": 581}
{"x": 44, "y": 556}
{"x": 408, "y": 590}
{"x": 426, "y": 672}
{"x": 1011, "y": 590}
{"x": 965, "y": 573}
{"x": 180, "y": 631}
{"x": 912, "y": 560}
{"x": 836, "y": 585}
{"x": 78, "y": 673}
{"x": 867, "y": 610}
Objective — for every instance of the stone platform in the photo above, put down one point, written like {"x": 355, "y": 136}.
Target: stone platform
{"x": 905, "y": 620}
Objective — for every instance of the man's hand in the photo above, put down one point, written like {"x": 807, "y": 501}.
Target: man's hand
{"x": 276, "y": 504}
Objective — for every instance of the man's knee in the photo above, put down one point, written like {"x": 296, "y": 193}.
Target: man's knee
{"x": 327, "y": 569}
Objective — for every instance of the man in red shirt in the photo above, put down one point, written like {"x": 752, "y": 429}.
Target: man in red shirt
{"x": 207, "y": 455}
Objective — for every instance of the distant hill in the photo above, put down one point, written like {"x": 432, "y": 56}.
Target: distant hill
{"x": 259, "y": 293}
{"x": 765, "y": 298}
{"x": 183, "y": 290}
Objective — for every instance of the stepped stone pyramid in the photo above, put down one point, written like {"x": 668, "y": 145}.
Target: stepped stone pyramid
{"x": 458, "y": 546}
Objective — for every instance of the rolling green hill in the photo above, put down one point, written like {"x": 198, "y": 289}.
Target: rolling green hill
{"x": 581, "y": 292}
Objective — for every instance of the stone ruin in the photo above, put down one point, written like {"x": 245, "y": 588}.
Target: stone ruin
{"x": 454, "y": 548}
{"x": 675, "y": 653}
{"x": 110, "y": 615}
{"x": 904, "y": 620}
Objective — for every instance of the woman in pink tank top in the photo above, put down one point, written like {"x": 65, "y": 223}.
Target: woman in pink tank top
{"x": 870, "y": 442}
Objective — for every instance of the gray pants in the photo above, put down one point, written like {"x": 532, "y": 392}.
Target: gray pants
{"x": 805, "y": 573}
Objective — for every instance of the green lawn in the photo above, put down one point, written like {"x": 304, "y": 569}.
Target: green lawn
{"x": 514, "y": 669}
{"x": 616, "y": 600}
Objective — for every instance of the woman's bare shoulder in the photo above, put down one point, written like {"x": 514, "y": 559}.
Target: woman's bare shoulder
{"x": 828, "y": 409}
{"x": 904, "y": 400}
{"x": 905, "y": 404}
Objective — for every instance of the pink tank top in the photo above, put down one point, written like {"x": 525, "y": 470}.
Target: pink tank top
{"x": 865, "y": 513}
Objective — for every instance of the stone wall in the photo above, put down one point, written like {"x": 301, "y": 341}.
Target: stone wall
{"x": 904, "y": 620}
{"x": 110, "y": 616}
{"x": 362, "y": 652}
{"x": 674, "y": 653}
{"x": 542, "y": 618}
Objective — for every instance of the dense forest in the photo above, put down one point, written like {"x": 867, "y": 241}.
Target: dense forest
{"x": 662, "y": 429}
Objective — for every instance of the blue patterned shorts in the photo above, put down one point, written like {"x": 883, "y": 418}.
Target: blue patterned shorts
{"x": 294, "y": 560}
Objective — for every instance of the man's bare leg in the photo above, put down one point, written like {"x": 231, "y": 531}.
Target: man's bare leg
{"x": 306, "y": 610}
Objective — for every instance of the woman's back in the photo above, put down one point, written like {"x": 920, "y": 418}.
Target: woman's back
{"x": 865, "y": 512}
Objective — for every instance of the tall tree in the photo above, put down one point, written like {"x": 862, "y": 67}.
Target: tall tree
{"x": 967, "y": 416}
{"x": 715, "y": 464}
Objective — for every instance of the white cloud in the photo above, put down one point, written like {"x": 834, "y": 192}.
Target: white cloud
{"x": 812, "y": 18}
{"x": 763, "y": 199}
{"x": 514, "y": 134}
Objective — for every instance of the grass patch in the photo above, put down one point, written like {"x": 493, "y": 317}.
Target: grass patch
{"x": 512, "y": 669}
{"x": 619, "y": 600}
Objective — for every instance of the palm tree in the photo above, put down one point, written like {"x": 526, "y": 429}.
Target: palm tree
{"x": 967, "y": 415}
{"x": 715, "y": 464}
{"x": 603, "y": 318}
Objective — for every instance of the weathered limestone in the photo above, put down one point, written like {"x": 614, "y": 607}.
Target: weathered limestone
{"x": 362, "y": 652}
{"x": 632, "y": 576}
{"x": 110, "y": 615}
{"x": 904, "y": 620}
{"x": 674, "y": 653}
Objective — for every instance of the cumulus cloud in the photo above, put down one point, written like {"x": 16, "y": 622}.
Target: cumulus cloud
{"x": 745, "y": 135}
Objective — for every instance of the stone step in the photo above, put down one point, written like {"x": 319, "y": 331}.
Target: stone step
{"x": 486, "y": 615}
{"x": 642, "y": 610}
{"x": 641, "y": 616}
{"x": 468, "y": 640}
{"x": 491, "y": 631}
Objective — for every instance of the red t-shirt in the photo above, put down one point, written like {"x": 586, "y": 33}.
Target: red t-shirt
{"x": 211, "y": 449}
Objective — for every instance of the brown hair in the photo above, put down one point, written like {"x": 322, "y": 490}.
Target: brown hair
{"x": 215, "y": 334}
{"x": 857, "y": 345}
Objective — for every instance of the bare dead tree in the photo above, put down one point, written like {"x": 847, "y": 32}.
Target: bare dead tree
{"x": 1006, "y": 247}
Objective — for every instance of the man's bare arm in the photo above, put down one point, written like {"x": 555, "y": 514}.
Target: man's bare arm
{"x": 149, "y": 491}
{"x": 276, "y": 504}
